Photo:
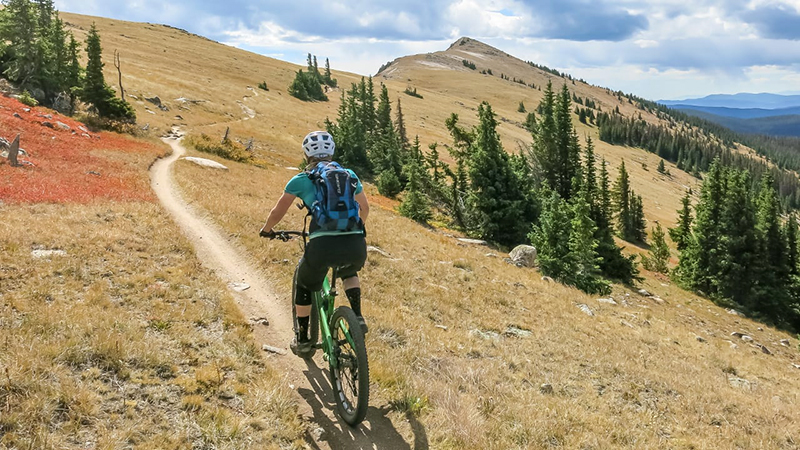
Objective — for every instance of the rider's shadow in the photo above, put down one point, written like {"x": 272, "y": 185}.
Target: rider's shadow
{"x": 376, "y": 432}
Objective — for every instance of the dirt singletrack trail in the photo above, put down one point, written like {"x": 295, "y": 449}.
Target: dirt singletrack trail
{"x": 382, "y": 429}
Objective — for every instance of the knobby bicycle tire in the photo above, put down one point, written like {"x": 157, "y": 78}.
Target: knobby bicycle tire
{"x": 350, "y": 380}
{"x": 313, "y": 320}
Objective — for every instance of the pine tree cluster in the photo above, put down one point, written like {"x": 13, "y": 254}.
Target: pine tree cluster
{"x": 39, "y": 55}
{"x": 738, "y": 249}
{"x": 307, "y": 86}
{"x": 693, "y": 150}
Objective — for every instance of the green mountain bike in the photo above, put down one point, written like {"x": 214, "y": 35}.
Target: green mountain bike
{"x": 342, "y": 342}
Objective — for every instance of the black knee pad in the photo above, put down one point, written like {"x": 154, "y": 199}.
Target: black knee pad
{"x": 302, "y": 297}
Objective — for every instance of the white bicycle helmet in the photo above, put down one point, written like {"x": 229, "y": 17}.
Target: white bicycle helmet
{"x": 318, "y": 144}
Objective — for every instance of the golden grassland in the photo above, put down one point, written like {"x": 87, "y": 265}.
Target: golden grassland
{"x": 125, "y": 341}
{"x": 172, "y": 64}
{"x": 633, "y": 375}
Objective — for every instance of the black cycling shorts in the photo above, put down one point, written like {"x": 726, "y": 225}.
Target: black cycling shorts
{"x": 347, "y": 252}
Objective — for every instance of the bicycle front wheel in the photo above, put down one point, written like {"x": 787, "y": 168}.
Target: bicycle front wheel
{"x": 350, "y": 377}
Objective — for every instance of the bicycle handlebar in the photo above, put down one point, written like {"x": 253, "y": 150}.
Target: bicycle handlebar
{"x": 283, "y": 235}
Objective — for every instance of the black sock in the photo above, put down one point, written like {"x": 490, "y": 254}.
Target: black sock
{"x": 302, "y": 328}
{"x": 354, "y": 295}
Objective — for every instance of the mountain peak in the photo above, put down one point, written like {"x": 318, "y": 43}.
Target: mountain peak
{"x": 476, "y": 46}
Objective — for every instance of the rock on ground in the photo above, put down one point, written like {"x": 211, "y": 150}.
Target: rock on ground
{"x": 472, "y": 241}
{"x": 586, "y": 310}
{"x": 524, "y": 256}
{"x": 39, "y": 254}
{"x": 205, "y": 162}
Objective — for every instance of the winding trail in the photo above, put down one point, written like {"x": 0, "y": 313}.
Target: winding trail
{"x": 219, "y": 253}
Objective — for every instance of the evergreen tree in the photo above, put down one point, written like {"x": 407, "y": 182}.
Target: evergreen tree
{"x": 773, "y": 271}
{"x": 460, "y": 190}
{"x": 96, "y": 91}
{"x": 496, "y": 197}
{"x": 25, "y": 46}
{"x": 661, "y": 167}
{"x": 74, "y": 72}
{"x": 583, "y": 257}
{"x": 738, "y": 243}
{"x": 622, "y": 204}
{"x": 415, "y": 205}
{"x": 682, "y": 233}
{"x": 658, "y": 257}
{"x": 298, "y": 87}
{"x": 530, "y": 122}
{"x": 350, "y": 132}
{"x": 400, "y": 125}
{"x": 613, "y": 263}
{"x": 521, "y": 107}
{"x": 551, "y": 236}
{"x": 638, "y": 223}
{"x": 544, "y": 148}
{"x": 699, "y": 263}
{"x": 790, "y": 231}
{"x": 568, "y": 152}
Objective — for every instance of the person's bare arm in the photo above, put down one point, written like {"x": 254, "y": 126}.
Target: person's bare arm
{"x": 280, "y": 209}
{"x": 364, "y": 204}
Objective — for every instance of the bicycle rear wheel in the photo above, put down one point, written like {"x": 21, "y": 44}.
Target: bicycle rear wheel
{"x": 350, "y": 379}
{"x": 313, "y": 320}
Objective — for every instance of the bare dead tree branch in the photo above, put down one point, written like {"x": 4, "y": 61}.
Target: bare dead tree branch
{"x": 117, "y": 64}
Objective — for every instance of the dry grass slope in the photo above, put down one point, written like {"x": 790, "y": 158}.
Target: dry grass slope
{"x": 632, "y": 376}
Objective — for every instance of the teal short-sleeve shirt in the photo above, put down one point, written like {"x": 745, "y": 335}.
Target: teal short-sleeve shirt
{"x": 302, "y": 187}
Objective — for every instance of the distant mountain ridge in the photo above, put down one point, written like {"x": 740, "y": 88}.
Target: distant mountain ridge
{"x": 740, "y": 101}
{"x": 741, "y": 113}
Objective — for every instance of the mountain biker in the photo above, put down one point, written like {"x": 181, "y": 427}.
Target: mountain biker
{"x": 346, "y": 250}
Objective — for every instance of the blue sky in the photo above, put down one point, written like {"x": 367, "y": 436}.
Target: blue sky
{"x": 658, "y": 49}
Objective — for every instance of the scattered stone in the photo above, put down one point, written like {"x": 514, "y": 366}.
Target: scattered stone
{"x": 17, "y": 116}
{"x": 760, "y": 329}
{"x": 178, "y": 117}
{"x": 45, "y": 116}
{"x": 739, "y": 382}
{"x": 524, "y": 256}
{"x": 733, "y": 346}
{"x": 442, "y": 327}
{"x": 239, "y": 287}
{"x": 154, "y": 100}
{"x": 517, "y": 332}
{"x": 626, "y": 323}
{"x": 609, "y": 301}
{"x": 317, "y": 433}
{"x": 205, "y": 162}
{"x": 747, "y": 338}
{"x": 92, "y": 172}
{"x": 271, "y": 349}
{"x": 378, "y": 250}
{"x": 785, "y": 342}
{"x": 764, "y": 349}
{"x": 737, "y": 334}
{"x": 586, "y": 310}
{"x": 83, "y": 129}
{"x": 490, "y": 255}
{"x": 796, "y": 366}
{"x": 260, "y": 320}
{"x": 547, "y": 279}
{"x": 657, "y": 299}
{"x": 486, "y": 335}
{"x": 63, "y": 126}
{"x": 546, "y": 389}
{"x": 472, "y": 241}
{"x": 27, "y": 110}
{"x": 163, "y": 108}
{"x": 151, "y": 112}
{"x": 86, "y": 135}
{"x": 644, "y": 293}
{"x": 40, "y": 254}
{"x": 48, "y": 125}
{"x": 700, "y": 338}
{"x": 735, "y": 313}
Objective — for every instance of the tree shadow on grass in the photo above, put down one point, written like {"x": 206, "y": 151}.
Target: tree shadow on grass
{"x": 376, "y": 432}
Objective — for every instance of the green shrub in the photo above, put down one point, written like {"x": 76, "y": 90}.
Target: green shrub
{"x": 27, "y": 99}
{"x": 412, "y": 93}
{"x": 389, "y": 184}
{"x": 228, "y": 149}
{"x": 263, "y": 86}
